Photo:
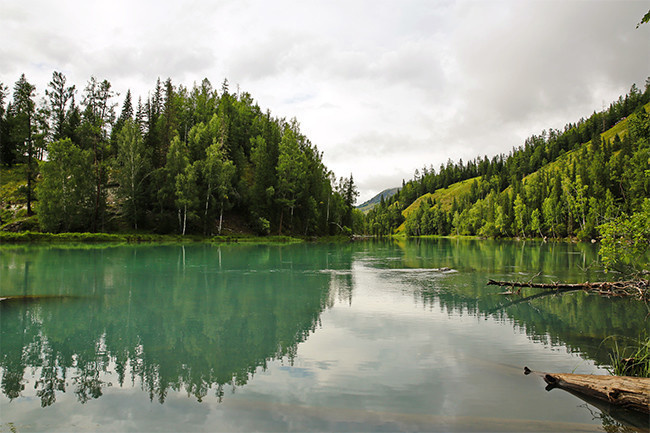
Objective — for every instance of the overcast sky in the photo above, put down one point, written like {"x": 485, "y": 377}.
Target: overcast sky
{"x": 381, "y": 87}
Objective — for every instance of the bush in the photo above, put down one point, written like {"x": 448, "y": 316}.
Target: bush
{"x": 262, "y": 226}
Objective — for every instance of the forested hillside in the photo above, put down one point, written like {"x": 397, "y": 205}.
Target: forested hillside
{"x": 558, "y": 184}
{"x": 181, "y": 161}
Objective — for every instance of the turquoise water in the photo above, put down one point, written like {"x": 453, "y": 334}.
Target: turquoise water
{"x": 366, "y": 336}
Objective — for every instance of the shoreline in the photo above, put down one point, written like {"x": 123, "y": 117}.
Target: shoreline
{"x": 29, "y": 237}
{"x": 33, "y": 237}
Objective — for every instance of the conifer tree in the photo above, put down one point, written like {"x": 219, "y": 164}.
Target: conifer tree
{"x": 24, "y": 110}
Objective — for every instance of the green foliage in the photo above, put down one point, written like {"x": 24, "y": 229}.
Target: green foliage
{"x": 558, "y": 184}
{"x": 218, "y": 174}
{"x": 131, "y": 170}
{"x": 184, "y": 160}
{"x": 626, "y": 241}
{"x": 632, "y": 359}
{"x": 262, "y": 226}
{"x": 66, "y": 192}
{"x": 290, "y": 171}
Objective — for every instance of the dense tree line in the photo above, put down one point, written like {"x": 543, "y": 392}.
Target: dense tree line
{"x": 558, "y": 184}
{"x": 181, "y": 161}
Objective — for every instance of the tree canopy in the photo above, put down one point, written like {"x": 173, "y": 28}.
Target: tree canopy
{"x": 184, "y": 160}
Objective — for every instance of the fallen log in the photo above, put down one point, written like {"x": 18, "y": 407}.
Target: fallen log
{"x": 636, "y": 288}
{"x": 631, "y": 393}
{"x": 28, "y": 298}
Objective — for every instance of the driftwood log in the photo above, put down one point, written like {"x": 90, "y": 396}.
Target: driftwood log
{"x": 28, "y": 298}
{"x": 631, "y": 393}
{"x": 636, "y": 288}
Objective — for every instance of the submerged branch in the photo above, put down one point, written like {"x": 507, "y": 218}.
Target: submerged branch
{"x": 639, "y": 289}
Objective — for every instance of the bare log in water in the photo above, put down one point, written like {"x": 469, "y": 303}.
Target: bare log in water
{"x": 636, "y": 288}
{"x": 631, "y": 393}
{"x": 27, "y": 298}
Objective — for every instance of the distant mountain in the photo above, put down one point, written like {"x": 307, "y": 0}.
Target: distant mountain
{"x": 387, "y": 193}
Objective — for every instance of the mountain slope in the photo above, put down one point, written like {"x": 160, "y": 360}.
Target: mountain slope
{"x": 367, "y": 205}
{"x": 589, "y": 182}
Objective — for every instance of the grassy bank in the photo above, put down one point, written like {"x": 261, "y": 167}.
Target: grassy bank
{"x": 49, "y": 238}
{"x": 631, "y": 358}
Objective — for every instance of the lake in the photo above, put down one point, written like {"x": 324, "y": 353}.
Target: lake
{"x": 363, "y": 336}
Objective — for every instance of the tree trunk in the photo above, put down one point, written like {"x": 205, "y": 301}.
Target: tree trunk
{"x": 184, "y": 219}
{"x": 29, "y": 180}
{"x": 205, "y": 214}
{"x": 30, "y": 150}
{"x": 281, "y": 217}
{"x": 96, "y": 210}
{"x": 631, "y": 393}
{"x": 220, "y": 218}
{"x": 135, "y": 211}
{"x": 291, "y": 219}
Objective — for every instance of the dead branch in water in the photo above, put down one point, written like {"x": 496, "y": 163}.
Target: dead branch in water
{"x": 639, "y": 289}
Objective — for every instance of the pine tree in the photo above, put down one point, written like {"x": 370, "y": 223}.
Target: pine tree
{"x": 24, "y": 110}
{"x": 59, "y": 98}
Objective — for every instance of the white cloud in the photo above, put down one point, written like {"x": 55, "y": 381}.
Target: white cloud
{"x": 381, "y": 87}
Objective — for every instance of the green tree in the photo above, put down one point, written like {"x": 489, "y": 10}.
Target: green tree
{"x": 520, "y": 215}
{"x": 98, "y": 116}
{"x": 7, "y": 155}
{"x": 218, "y": 173}
{"x": 349, "y": 192}
{"x": 290, "y": 171}
{"x": 535, "y": 222}
{"x": 23, "y": 129}
{"x": 626, "y": 241}
{"x": 186, "y": 197}
{"x": 59, "y": 97}
{"x": 125, "y": 115}
{"x": 264, "y": 174}
{"x": 176, "y": 179}
{"x": 65, "y": 192}
{"x": 131, "y": 169}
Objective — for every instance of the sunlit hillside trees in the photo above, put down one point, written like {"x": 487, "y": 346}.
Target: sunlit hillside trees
{"x": 558, "y": 184}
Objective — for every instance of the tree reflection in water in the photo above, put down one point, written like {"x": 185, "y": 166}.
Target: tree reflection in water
{"x": 172, "y": 318}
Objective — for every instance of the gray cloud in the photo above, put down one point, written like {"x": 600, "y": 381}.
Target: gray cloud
{"x": 381, "y": 87}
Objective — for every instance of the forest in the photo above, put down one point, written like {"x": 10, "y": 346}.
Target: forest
{"x": 559, "y": 184}
{"x": 185, "y": 160}
{"x": 189, "y": 160}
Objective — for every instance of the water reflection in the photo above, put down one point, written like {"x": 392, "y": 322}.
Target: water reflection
{"x": 204, "y": 319}
{"x": 169, "y": 318}
{"x": 580, "y": 321}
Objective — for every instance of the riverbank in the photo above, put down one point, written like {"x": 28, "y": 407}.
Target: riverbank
{"x": 39, "y": 237}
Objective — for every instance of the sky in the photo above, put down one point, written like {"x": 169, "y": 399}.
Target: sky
{"x": 381, "y": 87}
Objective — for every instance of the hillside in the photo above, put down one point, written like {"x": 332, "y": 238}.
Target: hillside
{"x": 180, "y": 162}
{"x": 460, "y": 189}
{"x": 558, "y": 184}
{"x": 366, "y": 206}
{"x": 444, "y": 196}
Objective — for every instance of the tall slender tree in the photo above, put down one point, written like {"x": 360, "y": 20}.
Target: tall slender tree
{"x": 98, "y": 117}
{"x": 6, "y": 153}
{"x": 25, "y": 109}
{"x": 290, "y": 170}
{"x": 132, "y": 169}
{"x": 59, "y": 96}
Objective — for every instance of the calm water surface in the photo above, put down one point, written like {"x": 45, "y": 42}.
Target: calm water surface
{"x": 367, "y": 336}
